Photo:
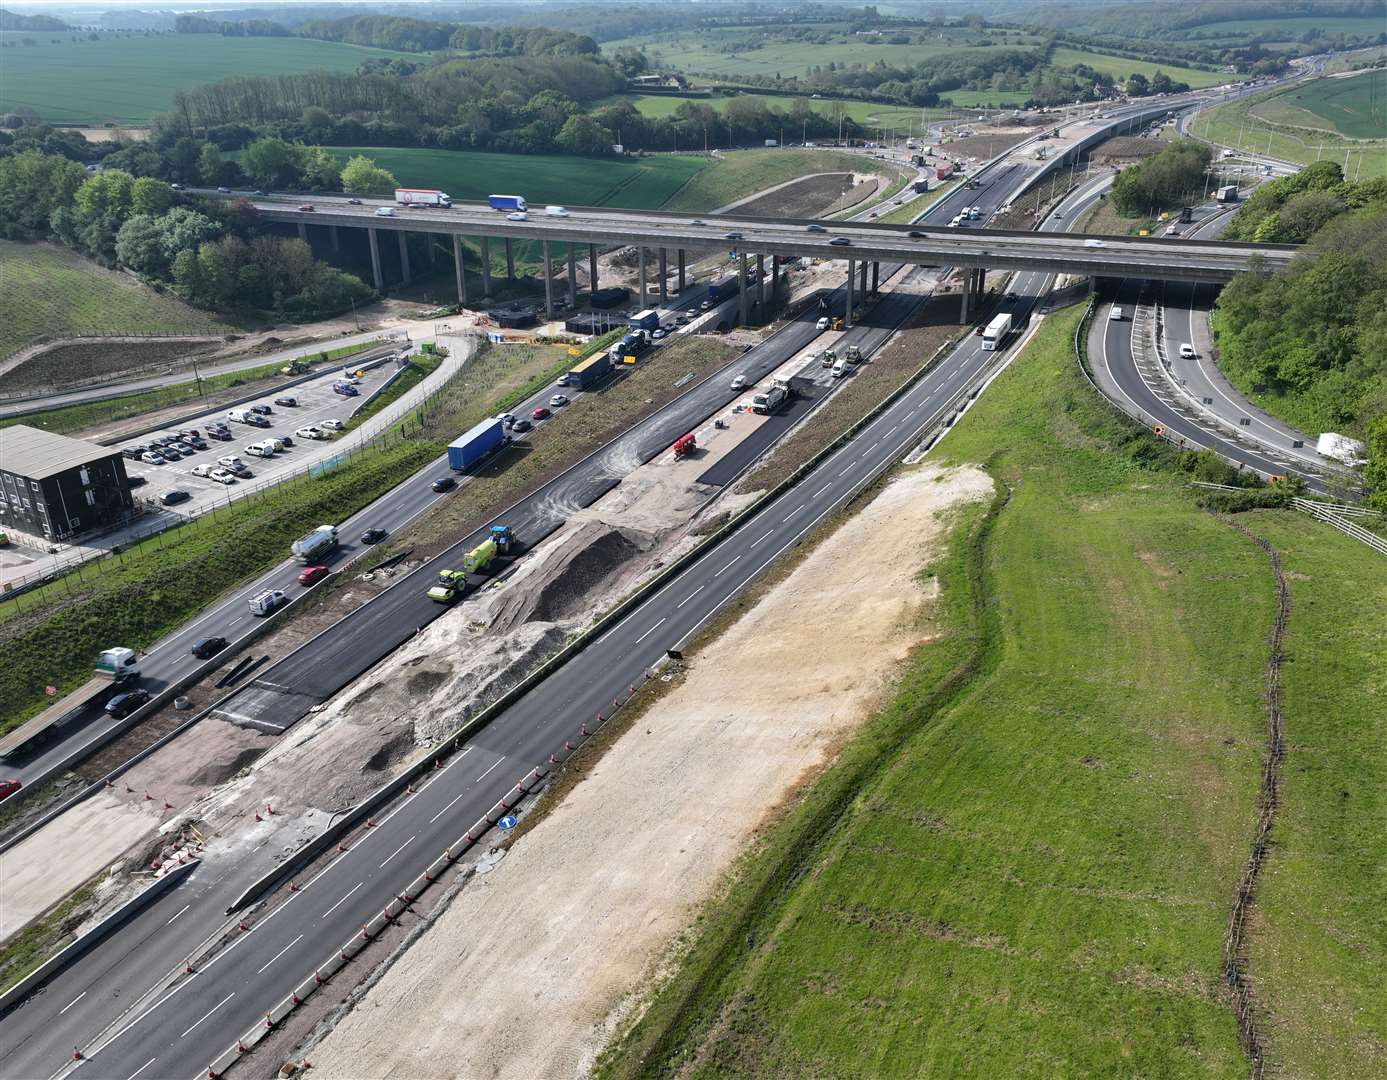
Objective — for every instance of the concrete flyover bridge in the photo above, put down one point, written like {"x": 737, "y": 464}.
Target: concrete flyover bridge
{"x": 860, "y": 244}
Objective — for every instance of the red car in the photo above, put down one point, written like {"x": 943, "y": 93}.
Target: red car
{"x": 311, "y": 575}
{"x": 9, "y": 787}
{"x": 541, "y": 413}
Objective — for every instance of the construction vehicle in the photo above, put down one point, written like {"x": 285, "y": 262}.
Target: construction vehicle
{"x": 297, "y": 366}
{"x": 827, "y": 358}
{"x": 685, "y": 445}
{"x": 451, "y": 585}
{"x": 498, "y": 543}
{"x": 852, "y": 354}
{"x": 772, "y": 398}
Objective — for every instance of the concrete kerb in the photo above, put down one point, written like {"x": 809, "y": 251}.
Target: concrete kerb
{"x": 98, "y": 933}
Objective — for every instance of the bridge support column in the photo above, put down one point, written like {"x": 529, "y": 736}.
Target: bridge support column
{"x": 980, "y": 289}
{"x": 459, "y": 270}
{"x": 592, "y": 268}
{"x": 303, "y": 232}
{"x": 760, "y": 287}
{"x": 572, "y": 276}
{"x": 375, "y": 260}
{"x": 741, "y": 287}
{"x": 966, "y": 302}
{"x": 548, "y": 283}
{"x": 429, "y": 252}
{"x": 510, "y": 261}
{"x": 640, "y": 305}
{"x": 486, "y": 267}
{"x": 404, "y": 256}
{"x": 682, "y": 284}
{"x": 664, "y": 277}
{"x": 847, "y": 307}
{"x": 863, "y": 287}
{"x": 876, "y": 277}
{"x": 775, "y": 275}
{"x": 335, "y": 237}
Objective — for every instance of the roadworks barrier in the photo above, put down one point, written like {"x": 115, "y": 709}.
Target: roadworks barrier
{"x": 21, "y": 990}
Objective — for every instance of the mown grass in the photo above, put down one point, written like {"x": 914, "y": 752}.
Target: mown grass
{"x": 48, "y": 292}
{"x": 1027, "y": 871}
{"x": 1355, "y": 106}
{"x": 129, "y": 78}
{"x": 903, "y": 215}
{"x": 734, "y": 176}
{"x": 1119, "y": 67}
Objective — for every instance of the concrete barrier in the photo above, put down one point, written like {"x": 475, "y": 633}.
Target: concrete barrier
{"x": 98, "y": 933}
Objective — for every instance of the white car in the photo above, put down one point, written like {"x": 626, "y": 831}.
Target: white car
{"x": 310, "y": 432}
{"x": 151, "y": 458}
{"x": 822, "y": 324}
{"x": 519, "y": 215}
{"x": 228, "y": 461}
{"x": 558, "y": 401}
{"x": 1094, "y": 243}
{"x": 202, "y": 470}
{"x": 385, "y": 211}
{"x": 221, "y": 476}
{"x": 331, "y": 425}
{"x": 739, "y": 383}
{"x": 1187, "y": 352}
{"x": 556, "y": 211}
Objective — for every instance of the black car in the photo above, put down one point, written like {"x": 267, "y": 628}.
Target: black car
{"x": 219, "y": 433}
{"x": 135, "y": 480}
{"x": 177, "y": 495}
{"x": 122, "y": 705}
{"x": 373, "y": 536}
{"x": 240, "y": 470}
{"x": 915, "y": 234}
{"x": 522, "y": 426}
{"x": 134, "y": 452}
{"x": 287, "y": 402}
{"x": 1011, "y": 297}
{"x": 286, "y": 440}
{"x": 732, "y": 236}
{"x": 263, "y": 410}
{"x": 444, "y": 483}
{"x": 208, "y": 646}
{"x": 354, "y": 202}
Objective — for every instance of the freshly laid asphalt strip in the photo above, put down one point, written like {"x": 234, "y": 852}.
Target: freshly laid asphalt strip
{"x": 735, "y": 461}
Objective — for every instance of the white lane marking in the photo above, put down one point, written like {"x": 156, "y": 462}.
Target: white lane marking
{"x": 465, "y": 751}
{"x": 209, "y": 1012}
{"x": 73, "y": 1002}
{"x": 281, "y": 952}
{"x": 793, "y": 512}
{"x": 490, "y": 770}
{"x": 690, "y": 596}
{"x": 848, "y": 469}
{"x": 727, "y": 567}
{"x": 759, "y": 539}
{"x": 454, "y": 799}
{"x": 404, "y": 845}
{"x": 179, "y": 912}
{"x": 339, "y": 903}
{"x": 655, "y": 627}
{"x": 141, "y": 1069}
{"x": 822, "y": 490}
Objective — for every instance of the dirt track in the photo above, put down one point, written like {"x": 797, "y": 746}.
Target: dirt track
{"x": 529, "y": 970}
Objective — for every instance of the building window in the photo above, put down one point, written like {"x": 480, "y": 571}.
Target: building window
{"x": 84, "y": 476}
{"x": 91, "y": 498}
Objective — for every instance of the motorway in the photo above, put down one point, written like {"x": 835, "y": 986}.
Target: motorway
{"x": 177, "y": 1033}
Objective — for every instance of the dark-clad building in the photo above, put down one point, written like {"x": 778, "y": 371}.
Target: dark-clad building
{"x": 56, "y": 487}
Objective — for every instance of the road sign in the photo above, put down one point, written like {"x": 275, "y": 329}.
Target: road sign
{"x": 507, "y": 822}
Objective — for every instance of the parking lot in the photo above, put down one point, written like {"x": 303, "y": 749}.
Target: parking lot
{"x": 316, "y": 403}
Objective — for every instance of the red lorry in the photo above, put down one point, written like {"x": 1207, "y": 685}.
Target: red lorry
{"x": 685, "y": 445}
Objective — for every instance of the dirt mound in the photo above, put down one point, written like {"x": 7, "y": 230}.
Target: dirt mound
{"x": 573, "y": 585}
{"x": 219, "y": 772}
{"x": 808, "y": 197}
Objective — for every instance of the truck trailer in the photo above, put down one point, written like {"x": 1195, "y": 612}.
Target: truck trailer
{"x": 507, "y": 202}
{"x": 645, "y": 320}
{"x": 722, "y": 288}
{"x": 590, "y": 372}
{"x": 996, "y": 332}
{"x": 408, "y": 196}
{"x": 481, "y": 440}
{"x": 1228, "y": 193}
{"x": 311, "y": 548}
{"x": 117, "y": 670}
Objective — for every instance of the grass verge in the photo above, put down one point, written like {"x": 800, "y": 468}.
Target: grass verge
{"x": 1024, "y": 865}
{"x": 44, "y": 936}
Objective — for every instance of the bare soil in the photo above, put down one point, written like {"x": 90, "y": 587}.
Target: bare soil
{"x": 529, "y": 969}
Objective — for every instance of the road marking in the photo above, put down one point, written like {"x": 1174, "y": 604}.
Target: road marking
{"x": 759, "y": 539}
{"x": 690, "y": 596}
{"x": 490, "y": 770}
{"x": 822, "y": 490}
{"x": 71, "y": 1003}
{"x": 795, "y": 511}
{"x": 454, "y": 799}
{"x": 339, "y": 903}
{"x": 848, "y": 469}
{"x": 180, "y": 912}
{"x": 661, "y": 622}
{"x": 142, "y": 1068}
{"x": 214, "y": 1008}
{"x": 280, "y": 953}
{"x": 409, "y": 841}
{"x": 727, "y": 567}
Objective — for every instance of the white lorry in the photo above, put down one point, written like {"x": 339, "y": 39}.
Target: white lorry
{"x": 1341, "y": 448}
{"x": 310, "y": 548}
{"x": 996, "y": 332}
{"x": 771, "y": 398}
{"x": 407, "y": 196}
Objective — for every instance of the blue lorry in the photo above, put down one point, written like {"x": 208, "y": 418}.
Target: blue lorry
{"x": 721, "y": 289}
{"x": 507, "y": 202}
{"x": 645, "y": 320}
{"x": 470, "y": 448}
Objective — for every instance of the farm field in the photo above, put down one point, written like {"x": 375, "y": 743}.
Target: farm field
{"x": 863, "y": 112}
{"x": 1289, "y": 28}
{"x": 1119, "y": 67}
{"x": 1355, "y": 106}
{"x": 46, "y": 290}
{"x": 127, "y": 79}
{"x": 1028, "y": 871}
{"x": 734, "y": 176}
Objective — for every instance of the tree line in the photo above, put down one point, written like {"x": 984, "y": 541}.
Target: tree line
{"x": 1171, "y": 178}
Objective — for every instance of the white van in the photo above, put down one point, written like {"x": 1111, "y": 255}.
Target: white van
{"x": 261, "y": 449}
{"x": 840, "y": 368}
{"x": 1116, "y": 315}
{"x": 267, "y": 602}
{"x": 556, "y": 211}
{"x": 238, "y": 416}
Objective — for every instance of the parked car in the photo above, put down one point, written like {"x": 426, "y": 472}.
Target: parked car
{"x": 242, "y": 472}
{"x": 311, "y": 432}
{"x": 229, "y": 462}
{"x": 311, "y": 575}
{"x": 134, "y": 453}
{"x": 174, "y": 496}
{"x": 444, "y": 483}
{"x": 122, "y": 705}
{"x": 208, "y": 647}
{"x": 521, "y": 426}
{"x": 182, "y": 448}
{"x": 220, "y": 434}
{"x": 8, "y": 787}
{"x": 263, "y": 410}
{"x": 222, "y": 476}
{"x": 170, "y": 454}
{"x": 205, "y": 469}
{"x": 373, "y": 536}
{"x": 541, "y": 414}
{"x": 330, "y": 425}
{"x": 287, "y": 402}
{"x": 284, "y": 441}
{"x": 134, "y": 481}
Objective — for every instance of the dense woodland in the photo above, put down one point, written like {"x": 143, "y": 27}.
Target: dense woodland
{"x": 1314, "y": 337}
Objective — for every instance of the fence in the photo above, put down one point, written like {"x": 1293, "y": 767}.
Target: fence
{"x": 410, "y": 422}
{"x": 1337, "y": 515}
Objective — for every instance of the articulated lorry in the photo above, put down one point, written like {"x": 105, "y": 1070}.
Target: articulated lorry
{"x": 312, "y": 547}
{"x": 470, "y": 448}
{"x": 771, "y": 398}
{"x": 507, "y": 202}
{"x": 453, "y": 583}
{"x": 408, "y": 196}
{"x": 995, "y": 333}
{"x": 117, "y": 670}
{"x": 633, "y": 344}
{"x": 588, "y": 373}
{"x": 645, "y": 320}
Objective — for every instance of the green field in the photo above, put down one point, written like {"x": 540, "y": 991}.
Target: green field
{"x": 127, "y": 79}
{"x": 49, "y": 291}
{"x": 734, "y": 176}
{"x": 1283, "y": 29}
{"x": 866, "y": 113}
{"x": 1119, "y": 67}
{"x": 1355, "y": 106}
{"x": 1024, "y": 864}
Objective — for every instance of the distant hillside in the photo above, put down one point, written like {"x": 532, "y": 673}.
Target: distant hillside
{"x": 9, "y": 20}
